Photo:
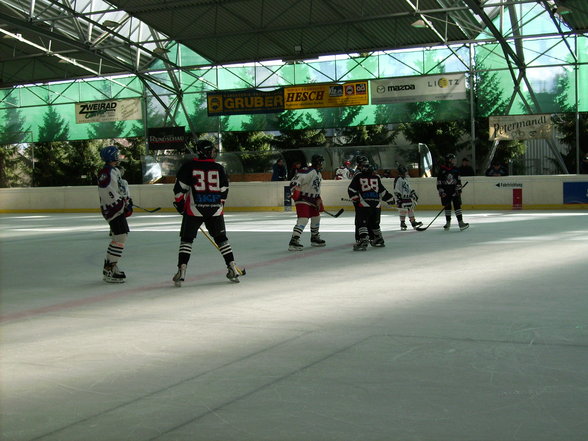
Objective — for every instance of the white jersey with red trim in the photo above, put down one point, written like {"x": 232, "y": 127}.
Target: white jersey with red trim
{"x": 405, "y": 195}
{"x": 113, "y": 195}
{"x": 308, "y": 180}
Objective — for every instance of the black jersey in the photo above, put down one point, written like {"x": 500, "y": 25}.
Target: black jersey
{"x": 201, "y": 188}
{"x": 366, "y": 190}
{"x": 448, "y": 180}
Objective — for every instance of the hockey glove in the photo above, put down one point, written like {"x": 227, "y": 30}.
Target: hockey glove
{"x": 414, "y": 196}
{"x": 129, "y": 208}
{"x": 296, "y": 193}
{"x": 319, "y": 205}
{"x": 179, "y": 206}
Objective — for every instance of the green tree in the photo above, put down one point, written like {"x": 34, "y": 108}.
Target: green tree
{"x": 13, "y": 164}
{"x": 132, "y": 149}
{"x": 49, "y": 154}
{"x": 566, "y": 125}
{"x": 442, "y": 137}
{"x": 81, "y": 160}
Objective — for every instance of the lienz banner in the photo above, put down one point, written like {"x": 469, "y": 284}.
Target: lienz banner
{"x": 108, "y": 111}
{"x": 517, "y": 127}
{"x": 423, "y": 88}
{"x": 244, "y": 102}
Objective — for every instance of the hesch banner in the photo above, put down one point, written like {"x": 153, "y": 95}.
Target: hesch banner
{"x": 326, "y": 95}
{"x": 108, "y": 111}
{"x": 517, "y": 127}
{"x": 422, "y": 88}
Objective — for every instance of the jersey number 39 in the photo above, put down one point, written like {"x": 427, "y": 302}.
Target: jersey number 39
{"x": 206, "y": 180}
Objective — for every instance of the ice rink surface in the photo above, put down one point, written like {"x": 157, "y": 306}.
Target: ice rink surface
{"x": 439, "y": 336}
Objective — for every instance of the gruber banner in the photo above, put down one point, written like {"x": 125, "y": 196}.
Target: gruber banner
{"x": 517, "y": 127}
{"x": 244, "y": 102}
{"x": 326, "y": 95}
{"x": 108, "y": 111}
{"x": 166, "y": 138}
{"x": 422, "y": 88}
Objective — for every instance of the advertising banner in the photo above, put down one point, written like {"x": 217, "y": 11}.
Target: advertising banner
{"x": 108, "y": 111}
{"x": 517, "y": 127}
{"x": 166, "y": 138}
{"x": 575, "y": 192}
{"x": 326, "y": 95}
{"x": 244, "y": 102}
{"x": 422, "y": 88}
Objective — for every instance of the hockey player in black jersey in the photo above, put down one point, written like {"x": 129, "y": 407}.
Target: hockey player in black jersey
{"x": 449, "y": 188}
{"x": 366, "y": 191}
{"x": 200, "y": 190}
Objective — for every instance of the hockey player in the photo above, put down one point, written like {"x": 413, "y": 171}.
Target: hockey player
{"x": 366, "y": 191}
{"x": 116, "y": 206}
{"x": 201, "y": 189}
{"x": 306, "y": 192}
{"x": 344, "y": 171}
{"x": 406, "y": 198}
{"x": 449, "y": 188}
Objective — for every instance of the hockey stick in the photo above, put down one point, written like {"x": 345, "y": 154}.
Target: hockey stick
{"x": 210, "y": 239}
{"x": 438, "y": 214}
{"x": 241, "y": 271}
{"x": 390, "y": 206}
{"x": 337, "y": 214}
{"x": 148, "y": 211}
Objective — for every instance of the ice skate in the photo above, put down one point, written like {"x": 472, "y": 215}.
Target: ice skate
{"x": 378, "y": 242}
{"x": 403, "y": 226}
{"x": 463, "y": 225}
{"x": 416, "y": 224}
{"x": 316, "y": 241}
{"x": 295, "y": 245}
{"x": 447, "y": 225}
{"x": 361, "y": 245}
{"x": 180, "y": 276}
{"x": 234, "y": 272}
{"x": 112, "y": 274}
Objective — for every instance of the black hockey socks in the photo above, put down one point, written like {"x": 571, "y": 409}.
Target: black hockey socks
{"x": 227, "y": 252}
{"x": 185, "y": 253}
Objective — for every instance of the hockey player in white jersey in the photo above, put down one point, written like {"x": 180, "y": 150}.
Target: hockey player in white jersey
{"x": 406, "y": 198}
{"x": 306, "y": 192}
{"x": 116, "y": 206}
{"x": 344, "y": 172}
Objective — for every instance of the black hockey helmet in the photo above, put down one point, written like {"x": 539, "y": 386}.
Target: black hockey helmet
{"x": 402, "y": 170}
{"x": 449, "y": 157}
{"x": 317, "y": 161}
{"x": 363, "y": 163}
{"x": 205, "y": 149}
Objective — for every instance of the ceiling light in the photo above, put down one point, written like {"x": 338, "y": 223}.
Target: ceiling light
{"x": 110, "y": 23}
{"x": 420, "y": 23}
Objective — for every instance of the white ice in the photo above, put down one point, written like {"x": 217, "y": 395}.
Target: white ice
{"x": 456, "y": 336}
